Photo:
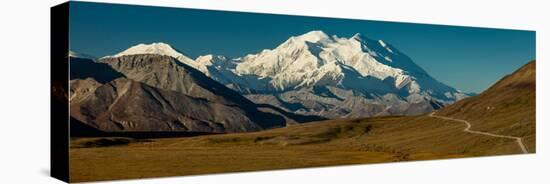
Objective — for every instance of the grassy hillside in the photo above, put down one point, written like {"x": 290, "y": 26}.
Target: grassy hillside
{"x": 325, "y": 143}
{"x": 506, "y": 108}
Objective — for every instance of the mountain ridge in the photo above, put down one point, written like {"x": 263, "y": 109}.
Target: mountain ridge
{"x": 180, "y": 97}
{"x": 372, "y": 72}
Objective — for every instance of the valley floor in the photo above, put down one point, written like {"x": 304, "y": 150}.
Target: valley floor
{"x": 327, "y": 143}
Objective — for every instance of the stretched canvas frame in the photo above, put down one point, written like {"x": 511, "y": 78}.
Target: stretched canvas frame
{"x": 310, "y": 99}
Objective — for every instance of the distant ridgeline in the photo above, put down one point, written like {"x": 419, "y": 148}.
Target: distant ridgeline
{"x": 310, "y": 77}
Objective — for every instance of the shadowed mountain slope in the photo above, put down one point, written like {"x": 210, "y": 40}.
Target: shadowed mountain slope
{"x": 82, "y": 68}
{"x": 158, "y": 93}
{"x": 127, "y": 105}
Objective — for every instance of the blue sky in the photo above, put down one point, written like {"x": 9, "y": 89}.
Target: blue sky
{"x": 469, "y": 59}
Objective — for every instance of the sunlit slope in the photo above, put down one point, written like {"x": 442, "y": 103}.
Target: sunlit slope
{"x": 334, "y": 142}
{"x": 506, "y": 108}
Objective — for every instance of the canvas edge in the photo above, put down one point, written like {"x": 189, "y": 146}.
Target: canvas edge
{"x": 59, "y": 80}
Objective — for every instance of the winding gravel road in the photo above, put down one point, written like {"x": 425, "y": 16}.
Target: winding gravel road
{"x": 468, "y": 126}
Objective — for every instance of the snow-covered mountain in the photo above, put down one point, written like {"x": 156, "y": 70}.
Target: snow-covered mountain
{"x": 158, "y": 49}
{"x": 318, "y": 74}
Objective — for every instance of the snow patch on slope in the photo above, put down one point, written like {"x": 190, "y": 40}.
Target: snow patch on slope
{"x": 80, "y": 55}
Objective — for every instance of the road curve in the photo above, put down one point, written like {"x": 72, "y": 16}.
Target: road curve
{"x": 468, "y": 126}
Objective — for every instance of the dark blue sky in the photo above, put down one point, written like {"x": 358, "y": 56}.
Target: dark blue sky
{"x": 469, "y": 59}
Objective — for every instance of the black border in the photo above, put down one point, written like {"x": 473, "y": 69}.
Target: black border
{"x": 59, "y": 104}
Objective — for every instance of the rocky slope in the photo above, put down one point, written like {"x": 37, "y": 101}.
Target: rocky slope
{"x": 127, "y": 105}
{"x": 159, "y": 93}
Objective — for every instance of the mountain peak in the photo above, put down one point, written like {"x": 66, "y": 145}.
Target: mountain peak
{"x": 159, "y": 45}
{"x": 357, "y": 36}
{"x": 314, "y": 59}
{"x": 313, "y": 36}
{"x": 158, "y": 48}
{"x": 153, "y": 48}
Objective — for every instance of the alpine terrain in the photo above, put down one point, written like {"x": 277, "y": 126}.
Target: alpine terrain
{"x": 499, "y": 121}
{"x": 151, "y": 92}
{"x": 329, "y": 76}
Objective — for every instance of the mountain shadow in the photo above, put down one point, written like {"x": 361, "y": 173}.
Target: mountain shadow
{"x": 82, "y": 68}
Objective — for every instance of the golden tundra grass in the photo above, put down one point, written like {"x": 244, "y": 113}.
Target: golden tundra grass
{"x": 329, "y": 143}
